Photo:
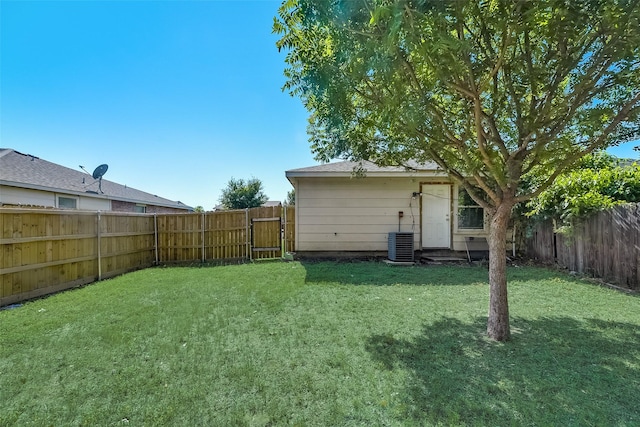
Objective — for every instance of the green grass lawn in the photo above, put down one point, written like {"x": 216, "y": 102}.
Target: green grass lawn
{"x": 324, "y": 344}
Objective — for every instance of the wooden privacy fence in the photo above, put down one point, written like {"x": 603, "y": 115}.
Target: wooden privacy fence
{"x": 256, "y": 233}
{"x": 605, "y": 245}
{"x": 45, "y": 251}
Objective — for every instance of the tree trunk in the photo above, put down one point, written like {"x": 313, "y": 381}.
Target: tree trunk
{"x": 498, "y": 323}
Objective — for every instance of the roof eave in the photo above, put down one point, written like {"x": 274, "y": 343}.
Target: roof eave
{"x": 377, "y": 174}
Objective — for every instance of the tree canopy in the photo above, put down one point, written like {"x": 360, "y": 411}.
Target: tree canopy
{"x": 241, "y": 194}
{"x": 499, "y": 93}
{"x": 291, "y": 198}
{"x": 599, "y": 182}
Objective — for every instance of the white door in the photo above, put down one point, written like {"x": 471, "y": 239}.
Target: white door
{"x": 436, "y": 210}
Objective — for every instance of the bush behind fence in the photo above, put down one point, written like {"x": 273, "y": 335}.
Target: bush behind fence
{"x": 45, "y": 251}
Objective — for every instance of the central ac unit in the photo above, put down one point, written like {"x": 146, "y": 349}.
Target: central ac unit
{"x": 401, "y": 247}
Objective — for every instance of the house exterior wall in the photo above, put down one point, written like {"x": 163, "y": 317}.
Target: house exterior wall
{"x": 458, "y": 241}
{"x": 120, "y": 206}
{"x": 356, "y": 214}
{"x": 15, "y": 196}
{"x": 28, "y": 197}
{"x": 162, "y": 209}
{"x": 93, "y": 204}
{"x": 23, "y": 196}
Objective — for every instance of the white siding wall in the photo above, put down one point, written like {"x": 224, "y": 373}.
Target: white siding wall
{"x": 93, "y": 204}
{"x": 354, "y": 214}
{"x": 23, "y": 196}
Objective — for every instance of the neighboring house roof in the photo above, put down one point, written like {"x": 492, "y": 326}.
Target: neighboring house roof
{"x": 347, "y": 168}
{"x": 27, "y": 171}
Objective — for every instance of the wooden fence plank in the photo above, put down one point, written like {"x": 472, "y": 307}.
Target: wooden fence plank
{"x": 290, "y": 228}
{"x": 605, "y": 245}
{"x": 43, "y": 251}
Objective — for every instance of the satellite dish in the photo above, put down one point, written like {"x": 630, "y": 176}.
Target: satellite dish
{"x": 100, "y": 171}
{"x": 97, "y": 174}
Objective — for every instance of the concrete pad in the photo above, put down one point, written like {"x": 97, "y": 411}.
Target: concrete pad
{"x": 444, "y": 258}
{"x": 388, "y": 261}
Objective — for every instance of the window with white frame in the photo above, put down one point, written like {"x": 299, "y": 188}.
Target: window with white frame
{"x": 470, "y": 214}
{"x": 67, "y": 202}
{"x": 140, "y": 208}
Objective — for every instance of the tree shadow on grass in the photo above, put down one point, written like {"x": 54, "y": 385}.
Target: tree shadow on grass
{"x": 554, "y": 371}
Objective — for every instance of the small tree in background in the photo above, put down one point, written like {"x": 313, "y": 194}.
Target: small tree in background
{"x": 198, "y": 209}
{"x": 291, "y": 198}
{"x": 241, "y": 194}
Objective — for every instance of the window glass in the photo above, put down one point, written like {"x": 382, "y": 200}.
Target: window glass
{"x": 67, "y": 202}
{"x": 470, "y": 215}
{"x": 139, "y": 208}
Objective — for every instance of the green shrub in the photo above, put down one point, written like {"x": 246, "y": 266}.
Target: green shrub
{"x": 600, "y": 184}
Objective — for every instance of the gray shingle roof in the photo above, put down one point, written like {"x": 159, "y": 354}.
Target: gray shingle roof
{"x": 27, "y": 171}
{"x": 347, "y": 167}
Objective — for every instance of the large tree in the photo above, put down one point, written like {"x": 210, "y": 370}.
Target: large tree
{"x": 498, "y": 93}
{"x": 241, "y": 194}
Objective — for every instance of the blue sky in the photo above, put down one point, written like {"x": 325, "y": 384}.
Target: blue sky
{"x": 176, "y": 97}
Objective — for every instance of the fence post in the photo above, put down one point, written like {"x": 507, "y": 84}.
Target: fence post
{"x": 203, "y": 247}
{"x": 248, "y": 234}
{"x": 284, "y": 232}
{"x": 155, "y": 235}
{"x": 99, "y": 248}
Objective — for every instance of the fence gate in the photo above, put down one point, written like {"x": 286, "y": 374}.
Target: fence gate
{"x": 266, "y": 237}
